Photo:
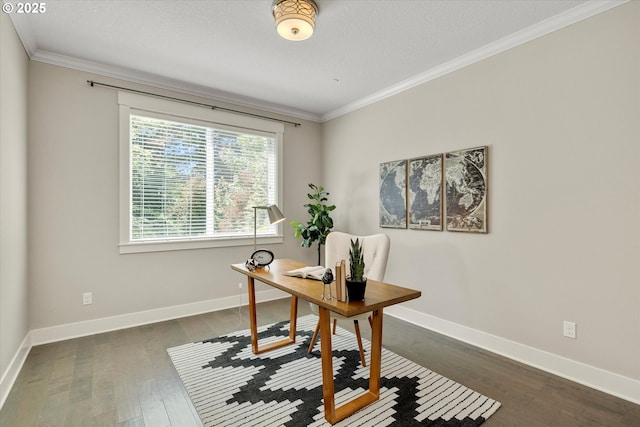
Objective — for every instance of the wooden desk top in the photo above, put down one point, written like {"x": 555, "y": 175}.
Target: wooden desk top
{"x": 377, "y": 294}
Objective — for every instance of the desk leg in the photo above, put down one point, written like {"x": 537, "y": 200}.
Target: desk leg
{"x": 253, "y": 317}
{"x": 253, "y": 321}
{"x": 331, "y": 413}
{"x": 293, "y": 316}
{"x": 326, "y": 353}
{"x": 376, "y": 353}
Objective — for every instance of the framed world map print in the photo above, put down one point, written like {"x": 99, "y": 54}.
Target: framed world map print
{"x": 425, "y": 193}
{"x": 393, "y": 194}
{"x": 466, "y": 190}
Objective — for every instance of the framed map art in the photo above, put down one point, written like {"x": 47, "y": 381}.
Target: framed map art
{"x": 425, "y": 193}
{"x": 466, "y": 190}
{"x": 393, "y": 194}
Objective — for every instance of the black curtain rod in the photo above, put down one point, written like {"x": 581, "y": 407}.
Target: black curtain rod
{"x": 213, "y": 107}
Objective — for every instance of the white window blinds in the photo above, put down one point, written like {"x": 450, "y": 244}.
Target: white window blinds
{"x": 193, "y": 180}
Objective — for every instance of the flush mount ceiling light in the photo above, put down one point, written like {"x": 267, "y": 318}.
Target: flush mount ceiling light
{"x": 295, "y": 19}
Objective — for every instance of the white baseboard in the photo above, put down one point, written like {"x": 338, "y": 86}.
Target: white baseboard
{"x": 608, "y": 382}
{"x": 10, "y": 375}
{"x": 113, "y": 323}
{"x": 599, "y": 379}
{"x": 107, "y": 324}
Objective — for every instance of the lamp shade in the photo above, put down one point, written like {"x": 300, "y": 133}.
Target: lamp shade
{"x": 275, "y": 215}
{"x": 295, "y": 19}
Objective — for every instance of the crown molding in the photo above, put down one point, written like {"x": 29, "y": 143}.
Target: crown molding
{"x": 579, "y": 13}
{"x": 572, "y": 16}
{"x": 156, "y": 81}
{"x": 25, "y": 33}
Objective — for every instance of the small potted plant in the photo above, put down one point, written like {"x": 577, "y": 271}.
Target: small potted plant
{"x": 356, "y": 282}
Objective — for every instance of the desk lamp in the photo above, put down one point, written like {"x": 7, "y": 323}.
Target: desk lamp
{"x": 263, "y": 257}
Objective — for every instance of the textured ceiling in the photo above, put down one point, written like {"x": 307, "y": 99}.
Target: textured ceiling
{"x": 229, "y": 49}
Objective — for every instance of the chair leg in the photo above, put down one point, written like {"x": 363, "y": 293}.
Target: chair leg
{"x": 335, "y": 324}
{"x": 314, "y": 338}
{"x": 356, "y": 325}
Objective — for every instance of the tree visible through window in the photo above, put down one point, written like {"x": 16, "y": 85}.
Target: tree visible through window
{"x": 190, "y": 180}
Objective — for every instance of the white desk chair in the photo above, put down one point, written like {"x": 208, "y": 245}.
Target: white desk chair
{"x": 376, "y": 252}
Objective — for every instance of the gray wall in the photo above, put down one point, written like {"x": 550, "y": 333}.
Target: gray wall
{"x": 560, "y": 115}
{"x": 14, "y": 309}
{"x": 73, "y": 196}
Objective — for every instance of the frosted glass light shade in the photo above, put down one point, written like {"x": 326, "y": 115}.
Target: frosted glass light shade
{"x": 295, "y": 19}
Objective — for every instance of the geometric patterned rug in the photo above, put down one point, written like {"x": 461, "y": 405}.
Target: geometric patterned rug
{"x": 231, "y": 386}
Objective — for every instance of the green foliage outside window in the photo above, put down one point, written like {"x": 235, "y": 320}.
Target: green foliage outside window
{"x": 190, "y": 181}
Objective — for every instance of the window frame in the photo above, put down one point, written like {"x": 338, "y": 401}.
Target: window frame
{"x": 139, "y": 103}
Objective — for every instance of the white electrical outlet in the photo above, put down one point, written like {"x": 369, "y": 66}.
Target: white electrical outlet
{"x": 87, "y": 298}
{"x": 239, "y": 285}
{"x": 570, "y": 329}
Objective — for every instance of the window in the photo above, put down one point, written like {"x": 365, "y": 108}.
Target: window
{"x": 190, "y": 176}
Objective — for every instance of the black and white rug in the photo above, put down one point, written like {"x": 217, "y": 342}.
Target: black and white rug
{"x": 230, "y": 386}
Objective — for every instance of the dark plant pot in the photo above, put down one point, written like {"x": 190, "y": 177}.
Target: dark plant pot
{"x": 355, "y": 289}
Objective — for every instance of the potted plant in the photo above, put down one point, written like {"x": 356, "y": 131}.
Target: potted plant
{"x": 320, "y": 224}
{"x": 356, "y": 282}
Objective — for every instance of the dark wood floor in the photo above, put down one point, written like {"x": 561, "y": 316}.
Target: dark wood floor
{"x": 125, "y": 378}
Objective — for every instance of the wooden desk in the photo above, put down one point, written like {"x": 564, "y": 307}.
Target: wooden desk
{"x": 378, "y": 295}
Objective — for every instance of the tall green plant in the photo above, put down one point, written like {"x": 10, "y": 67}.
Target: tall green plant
{"x": 356, "y": 261}
{"x": 320, "y": 224}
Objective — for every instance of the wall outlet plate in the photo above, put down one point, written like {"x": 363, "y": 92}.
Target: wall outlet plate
{"x": 570, "y": 329}
{"x": 87, "y": 298}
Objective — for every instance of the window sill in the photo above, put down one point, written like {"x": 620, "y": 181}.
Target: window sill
{"x": 169, "y": 245}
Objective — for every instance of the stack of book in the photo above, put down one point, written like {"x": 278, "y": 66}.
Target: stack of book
{"x": 341, "y": 283}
